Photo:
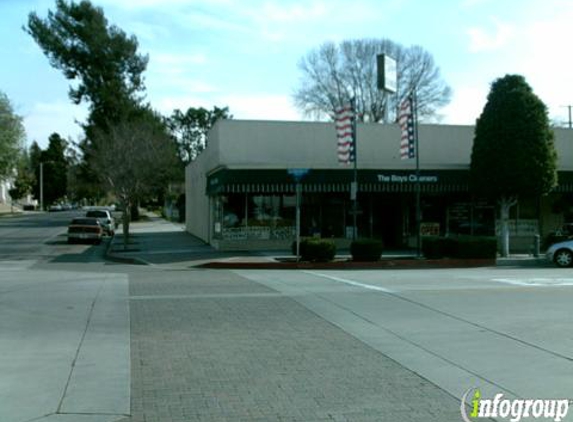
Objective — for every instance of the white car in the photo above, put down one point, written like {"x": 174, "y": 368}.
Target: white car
{"x": 561, "y": 253}
{"x": 105, "y": 219}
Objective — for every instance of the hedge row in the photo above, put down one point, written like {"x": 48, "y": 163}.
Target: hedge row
{"x": 323, "y": 250}
{"x": 464, "y": 247}
{"x": 315, "y": 249}
{"x": 366, "y": 250}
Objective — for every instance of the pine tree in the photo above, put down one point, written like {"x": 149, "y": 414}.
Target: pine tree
{"x": 513, "y": 152}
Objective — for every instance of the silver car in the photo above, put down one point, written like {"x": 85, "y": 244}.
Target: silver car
{"x": 105, "y": 219}
{"x": 561, "y": 253}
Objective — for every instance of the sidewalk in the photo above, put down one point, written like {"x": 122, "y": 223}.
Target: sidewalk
{"x": 6, "y": 210}
{"x": 214, "y": 346}
{"x": 156, "y": 241}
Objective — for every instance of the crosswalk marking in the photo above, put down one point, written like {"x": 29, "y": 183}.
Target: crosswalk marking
{"x": 536, "y": 281}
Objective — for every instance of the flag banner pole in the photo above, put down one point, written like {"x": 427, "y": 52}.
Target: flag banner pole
{"x": 409, "y": 148}
{"x": 345, "y": 122}
{"x": 418, "y": 186}
{"x": 355, "y": 155}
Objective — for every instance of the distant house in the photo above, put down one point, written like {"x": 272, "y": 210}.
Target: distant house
{"x": 5, "y": 186}
{"x": 239, "y": 194}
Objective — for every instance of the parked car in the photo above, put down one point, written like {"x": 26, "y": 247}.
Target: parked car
{"x": 563, "y": 234}
{"x": 561, "y": 253}
{"x": 55, "y": 207}
{"x": 105, "y": 218}
{"x": 85, "y": 228}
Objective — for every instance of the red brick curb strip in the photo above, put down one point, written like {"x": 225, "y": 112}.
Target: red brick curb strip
{"x": 349, "y": 265}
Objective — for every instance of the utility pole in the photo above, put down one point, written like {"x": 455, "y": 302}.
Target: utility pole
{"x": 41, "y": 186}
{"x": 570, "y": 121}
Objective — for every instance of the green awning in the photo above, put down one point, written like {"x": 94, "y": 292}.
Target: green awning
{"x": 277, "y": 181}
{"x": 325, "y": 181}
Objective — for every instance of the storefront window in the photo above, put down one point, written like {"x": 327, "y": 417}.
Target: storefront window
{"x": 251, "y": 216}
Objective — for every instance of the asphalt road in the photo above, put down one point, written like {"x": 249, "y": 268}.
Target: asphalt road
{"x": 37, "y": 236}
{"x": 64, "y": 324}
{"x": 502, "y": 330}
{"x": 92, "y": 341}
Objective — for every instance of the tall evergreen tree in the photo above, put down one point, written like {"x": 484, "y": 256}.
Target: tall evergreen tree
{"x": 55, "y": 169}
{"x": 99, "y": 58}
{"x": 513, "y": 152}
{"x": 103, "y": 64}
{"x": 35, "y": 154}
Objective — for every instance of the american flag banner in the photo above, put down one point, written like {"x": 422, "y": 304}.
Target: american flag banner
{"x": 406, "y": 121}
{"x": 344, "y": 118}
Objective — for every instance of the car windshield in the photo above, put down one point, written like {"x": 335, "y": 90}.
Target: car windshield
{"x": 96, "y": 214}
{"x": 84, "y": 222}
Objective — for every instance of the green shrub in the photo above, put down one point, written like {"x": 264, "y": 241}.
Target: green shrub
{"x": 435, "y": 247}
{"x": 366, "y": 249}
{"x": 464, "y": 247}
{"x": 314, "y": 249}
{"x": 476, "y": 247}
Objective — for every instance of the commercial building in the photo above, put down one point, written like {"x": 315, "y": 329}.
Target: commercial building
{"x": 240, "y": 193}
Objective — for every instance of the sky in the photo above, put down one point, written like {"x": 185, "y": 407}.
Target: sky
{"x": 244, "y": 54}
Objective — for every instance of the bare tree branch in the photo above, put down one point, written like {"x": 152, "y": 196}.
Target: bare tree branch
{"x": 332, "y": 74}
{"x": 136, "y": 157}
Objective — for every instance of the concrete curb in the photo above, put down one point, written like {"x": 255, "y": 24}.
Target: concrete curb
{"x": 528, "y": 262}
{"x": 393, "y": 264}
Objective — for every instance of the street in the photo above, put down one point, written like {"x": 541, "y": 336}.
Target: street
{"x": 88, "y": 340}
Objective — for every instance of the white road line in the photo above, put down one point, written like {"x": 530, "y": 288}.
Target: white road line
{"x": 350, "y": 282}
{"x": 536, "y": 282}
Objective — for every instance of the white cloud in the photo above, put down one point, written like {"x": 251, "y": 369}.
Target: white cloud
{"x": 474, "y": 3}
{"x": 249, "y": 106}
{"x": 466, "y": 105}
{"x": 273, "y": 12}
{"x": 169, "y": 65}
{"x": 147, "y": 31}
{"x": 180, "y": 59}
{"x": 59, "y": 116}
{"x": 261, "y": 106}
{"x": 166, "y": 105}
{"x": 212, "y": 21}
{"x": 159, "y": 4}
{"x": 491, "y": 38}
{"x": 546, "y": 62}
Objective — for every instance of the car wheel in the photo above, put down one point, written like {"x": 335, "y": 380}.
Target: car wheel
{"x": 70, "y": 241}
{"x": 563, "y": 258}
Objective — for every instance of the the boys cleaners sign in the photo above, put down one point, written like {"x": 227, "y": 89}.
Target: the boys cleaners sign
{"x": 406, "y": 178}
{"x": 515, "y": 409}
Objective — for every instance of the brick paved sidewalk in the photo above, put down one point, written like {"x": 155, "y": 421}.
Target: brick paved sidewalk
{"x": 212, "y": 346}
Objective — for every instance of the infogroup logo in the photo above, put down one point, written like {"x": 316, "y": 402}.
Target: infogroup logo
{"x": 514, "y": 409}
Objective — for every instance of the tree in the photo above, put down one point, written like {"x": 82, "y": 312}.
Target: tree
{"x": 55, "y": 169}
{"x": 35, "y": 157}
{"x": 24, "y": 181}
{"x": 99, "y": 58}
{"x": 332, "y": 74}
{"x": 190, "y": 129}
{"x": 11, "y": 137}
{"x": 136, "y": 158}
{"x": 513, "y": 152}
{"x": 104, "y": 67}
